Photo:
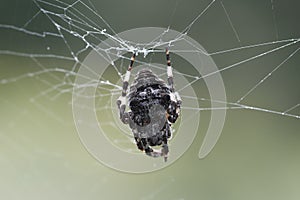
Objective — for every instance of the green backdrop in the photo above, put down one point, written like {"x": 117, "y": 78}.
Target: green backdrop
{"x": 257, "y": 156}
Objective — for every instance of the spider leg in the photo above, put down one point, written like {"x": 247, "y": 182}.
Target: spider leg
{"x": 174, "y": 107}
{"x": 169, "y": 71}
{"x": 165, "y": 148}
{"x": 151, "y": 152}
{"x": 143, "y": 145}
{"x": 122, "y": 100}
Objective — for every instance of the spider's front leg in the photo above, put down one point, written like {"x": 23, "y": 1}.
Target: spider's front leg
{"x": 174, "y": 107}
{"x": 122, "y": 100}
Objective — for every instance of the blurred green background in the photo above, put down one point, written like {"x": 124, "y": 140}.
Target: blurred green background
{"x": 257, "y": 156}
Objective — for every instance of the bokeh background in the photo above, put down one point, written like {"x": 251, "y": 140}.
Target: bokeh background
{"x": 257, "y": 156}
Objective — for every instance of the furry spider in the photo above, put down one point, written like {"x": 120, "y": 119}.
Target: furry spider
{"x": 154, "y": 106}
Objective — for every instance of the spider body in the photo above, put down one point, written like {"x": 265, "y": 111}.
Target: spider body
{"x": 146, "y": 92}
{"x": 154, "y": 106}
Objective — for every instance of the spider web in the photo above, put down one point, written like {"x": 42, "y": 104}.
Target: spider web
{"x": 68, "y": 31}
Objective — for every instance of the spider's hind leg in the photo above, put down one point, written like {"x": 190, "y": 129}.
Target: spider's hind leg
{"x": 150, "y": 152}
{"x": 143, "y": 145}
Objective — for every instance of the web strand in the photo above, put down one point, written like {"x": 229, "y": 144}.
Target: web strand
{"x": 70, "y": 20}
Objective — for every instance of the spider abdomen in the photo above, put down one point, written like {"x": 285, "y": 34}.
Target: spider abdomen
{"x": 147, "y": 92}
{"x": 149, "y": 99}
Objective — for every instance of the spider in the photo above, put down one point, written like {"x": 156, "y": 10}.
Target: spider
{"x": 154, "y": 106}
